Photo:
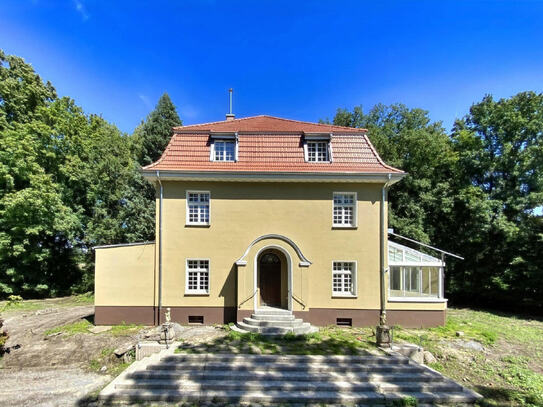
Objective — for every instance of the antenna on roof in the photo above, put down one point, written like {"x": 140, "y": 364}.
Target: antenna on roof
{"x": 230, "y": 116}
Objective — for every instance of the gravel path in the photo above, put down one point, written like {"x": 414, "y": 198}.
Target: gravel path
{"x": 50, "y": 371}
{"x": 39, "y": 387}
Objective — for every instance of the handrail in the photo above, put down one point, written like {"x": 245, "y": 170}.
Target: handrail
{"x": 247, "y": 299}
{"x": 298, "y": 300}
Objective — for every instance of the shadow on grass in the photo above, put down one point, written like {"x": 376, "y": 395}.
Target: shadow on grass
{"x": 331, "y": 341}
{"x": 500, "y": 396}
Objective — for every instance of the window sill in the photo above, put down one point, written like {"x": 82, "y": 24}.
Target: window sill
{"x": 344, "y": 296}
{"x": 197, "y": 225}
{"x": 344, "y": 227}
{"x": 196, "y": 294}
{"x": 417, "y": 299}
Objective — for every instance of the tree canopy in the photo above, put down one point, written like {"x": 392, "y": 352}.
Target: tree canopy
{"x": 476, "y": 191}
{"x": 68, "y": 181}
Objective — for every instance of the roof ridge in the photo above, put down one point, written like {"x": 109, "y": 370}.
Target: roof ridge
{"x": 219, "y": 121}
{"x": 272, "y": 117}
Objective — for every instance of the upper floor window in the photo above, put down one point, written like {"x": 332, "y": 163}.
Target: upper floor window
{"x": 224, "y": 150}
{"x": 197, "y": 208}
{"x": 344, "y": 278}
{"x": 344, "y": 209}
{"x": 317, "y": 151}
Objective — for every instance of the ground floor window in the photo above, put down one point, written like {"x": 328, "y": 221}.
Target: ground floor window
{"x": 415, "y": 281}
{"x": 197, "y": 276}
{"x": 343, "y": 278}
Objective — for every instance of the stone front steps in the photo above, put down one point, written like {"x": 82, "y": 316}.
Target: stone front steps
{"x": 276, "y": 379}
{"x": 274, "y": 321}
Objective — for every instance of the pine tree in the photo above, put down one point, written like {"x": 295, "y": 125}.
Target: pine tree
{"x": 153, "y": 135}
{"x": 149, "y": 141}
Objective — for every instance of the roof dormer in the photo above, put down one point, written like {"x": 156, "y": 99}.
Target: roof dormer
{"x": 317, "y": 147}
{"x": 223, "y": 147}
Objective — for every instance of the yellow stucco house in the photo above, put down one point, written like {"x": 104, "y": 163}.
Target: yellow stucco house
{"x": 266, "y": 213}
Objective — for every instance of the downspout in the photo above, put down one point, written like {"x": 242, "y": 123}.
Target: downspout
{"x": 159, "y": 248}
{"x": 382, "y": 252}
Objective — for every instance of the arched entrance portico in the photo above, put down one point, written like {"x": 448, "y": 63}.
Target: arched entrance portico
{"x": 292, "y": 262}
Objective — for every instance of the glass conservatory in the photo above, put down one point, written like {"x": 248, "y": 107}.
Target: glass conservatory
{"x": 413, "y": 275}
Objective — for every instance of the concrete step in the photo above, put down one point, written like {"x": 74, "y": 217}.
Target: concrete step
{"x": 273, "y": 311}
{"x": 338, "y": 385}
{"x": 293, "y": 323}
{"x": 236, "y": 367}
{"x": 265, "y": 376}
{"x": 330, "y": 359}
{"x": 191, "y": 385}
{"x": 272, "y": 396}
{"x": 269, "y": 330}
{"x": 273, "y": 317}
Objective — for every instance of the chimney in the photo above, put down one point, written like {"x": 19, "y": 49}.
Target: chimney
{"x": 230, "y": 116}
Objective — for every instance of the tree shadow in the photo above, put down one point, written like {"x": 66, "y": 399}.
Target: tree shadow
{"x": 248, "y": 351}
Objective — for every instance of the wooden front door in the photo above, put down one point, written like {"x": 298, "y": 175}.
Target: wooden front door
{"x": 270, "y": 280}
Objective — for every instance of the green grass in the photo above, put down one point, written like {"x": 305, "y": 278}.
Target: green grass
{"x": 510, "y": 370}
{"x": 107, "y": 358}
{"x": 79, "y": 327}
{"x": 124, "y": 329}
{"x": 329, "y": 341}
{"x": 34, "y": 305}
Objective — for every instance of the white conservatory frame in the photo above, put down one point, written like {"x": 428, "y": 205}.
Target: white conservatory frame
{"x": 403, "y": 256}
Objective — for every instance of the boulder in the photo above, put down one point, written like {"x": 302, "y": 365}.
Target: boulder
{"x": 428, "y": 357}
{"x": 121, "y": 350}
{"x": 99, "y": 329}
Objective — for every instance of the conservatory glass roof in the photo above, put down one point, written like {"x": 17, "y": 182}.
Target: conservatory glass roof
{"x": 400, "y": 255}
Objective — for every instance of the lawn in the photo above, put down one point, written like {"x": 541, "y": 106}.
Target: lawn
{"x": 508, "y": 371}
{"x": 328, "y": 341}
{"x": 9, "y": 307}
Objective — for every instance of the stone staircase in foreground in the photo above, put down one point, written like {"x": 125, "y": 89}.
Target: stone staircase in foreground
{"x": 282, "y": 379}
{"x": 274, "y": 321}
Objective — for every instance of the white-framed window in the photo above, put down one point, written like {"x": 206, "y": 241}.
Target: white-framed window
{"x": 224, "y": 150}
{"x": 317, "y": 151}
{"x": 415, "y": 282}
{"x": 198, "y": 207}
{"x": 344, "y": 214}
{"x": 343, "y": 278}
{"x": 197, "y": 276}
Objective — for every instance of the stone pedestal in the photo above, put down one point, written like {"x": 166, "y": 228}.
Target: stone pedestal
{"x": 167, "y": 333}
{"x": 382, "y": 336}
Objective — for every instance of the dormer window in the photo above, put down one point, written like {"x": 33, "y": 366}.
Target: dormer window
{"x": 317, "y": 151}
{"x": 224, "y": 147}
{"x": 317, "y": 147}
{"x": 225, "y": 150}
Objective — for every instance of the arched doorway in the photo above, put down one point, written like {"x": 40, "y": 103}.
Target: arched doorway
{"x": 272, "y": 279}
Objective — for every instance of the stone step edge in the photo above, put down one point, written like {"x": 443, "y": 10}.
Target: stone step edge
{"x": 325, "y": 377}
{"x": 339, "y": 386}
{"x": 273, "y": 323}
{"x": 277, "y": 396}
{"x": 167, "y": 366}
{"x": 330, "y": 359}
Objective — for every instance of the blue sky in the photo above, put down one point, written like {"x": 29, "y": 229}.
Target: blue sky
{"x": 299, "y": 60}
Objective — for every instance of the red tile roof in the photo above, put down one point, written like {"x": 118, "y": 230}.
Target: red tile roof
{"x": 270, "y": 144}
